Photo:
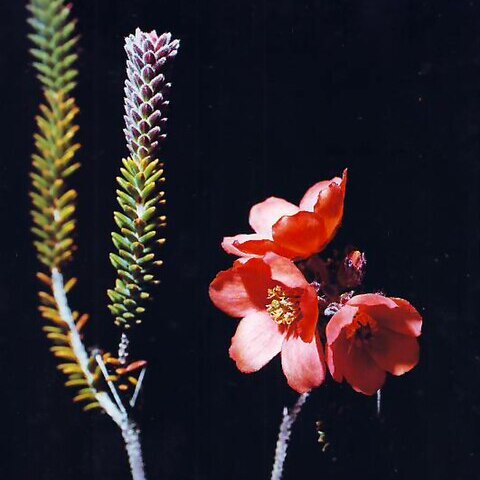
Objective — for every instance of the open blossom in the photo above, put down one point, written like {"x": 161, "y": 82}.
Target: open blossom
{"x": 279, "y": 311}
{"x": 292, "y": 231}
{"x": 369, "y": 336}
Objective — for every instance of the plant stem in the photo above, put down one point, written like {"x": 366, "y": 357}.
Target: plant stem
{"x": 379, "y": 402}
{"x": 111, "y": 385}
{"x": 131, "y": 437}
{"x": 130, "y": 431}
{"x": 123, "y": 348}
{"x": 289, "y": 417}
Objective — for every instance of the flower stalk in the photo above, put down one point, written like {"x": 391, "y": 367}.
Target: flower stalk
{"x": 289, "y": 418}
{"x": 131, "y": 437}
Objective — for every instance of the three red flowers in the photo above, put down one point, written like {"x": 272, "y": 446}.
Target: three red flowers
{"x": 293, "y": 302}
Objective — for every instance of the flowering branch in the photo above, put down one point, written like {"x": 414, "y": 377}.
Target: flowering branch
{"x": 289, "y": 417}
{"x": 140, "y": 194}
{"x": 295, "y": 303}
{"x": 78, "y": 348}
{"x": 53, "y": 210}
{"x": 53, "y": 201}
{"x": 115, "y": 410}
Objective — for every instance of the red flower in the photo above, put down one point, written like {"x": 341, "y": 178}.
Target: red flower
{"x": 369, "y": 336}
{"x": 291, "y": 231}
{"x": 279, "y": 312}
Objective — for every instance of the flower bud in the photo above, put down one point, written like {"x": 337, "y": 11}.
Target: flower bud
{"x": 351, "y": 271}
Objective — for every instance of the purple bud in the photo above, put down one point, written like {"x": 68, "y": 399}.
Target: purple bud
{"x": 135, "y": 133}
{"x": 146, "y": 110}
{"x": 156, "y": 100}
{"x": 148, "y": 59}
{"x": 137, "y": 50}
{"x": 148, "y": 45}
{"x": 147, "y": 74}
{"x": 144, "y": 141}
{"x": 157, "y": 82}
{"x": 163, "y": 39}
{"x": 142, "y": 152}
{"x": 135, "y": 116}
{"x": 139, "y": 63}
{"x": 154, "y": 133}
{"x": 146, "y": 92}
{"x": 144, "y": 126}
{"x": 137, "y": 80}
{"x": 155, "y": 118}
{"x": 160, "y": 63}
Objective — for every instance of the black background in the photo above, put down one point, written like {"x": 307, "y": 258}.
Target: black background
{"x": 269, "y": 97}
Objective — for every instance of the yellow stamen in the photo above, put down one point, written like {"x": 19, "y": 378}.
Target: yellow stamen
{"x": 363, "y": 327}
{"x": 283, "y": 309}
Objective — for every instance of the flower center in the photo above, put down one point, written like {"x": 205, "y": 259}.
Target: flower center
{"x": 284, "y": 309}
{"x": 363, "y": 327}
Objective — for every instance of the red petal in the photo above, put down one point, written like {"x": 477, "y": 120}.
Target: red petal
{"x": 286, "y": 272}
{"x": 337, "y": 354}
{"x": 307, "y": 326}
{"x": 361, "y": 371}
{"x": 303, "y": 363}
{"x": 310, "y": 198}
{"x": 393, "y": 351}
{"x": 301, "y": 235}
{"x": 330, "y": 205}
{"x": 251, "y": 246}
{"x": 242, "y": 289}
{"x": 341, "y": 319}
{"x": 229, "y": 243}
{"x": 404, "y": 319}
{"x": 257, "y": 340}
{"x": 393, "y": 313}
{"x": 371, "y": 300}
{"x": 263, "y": 215}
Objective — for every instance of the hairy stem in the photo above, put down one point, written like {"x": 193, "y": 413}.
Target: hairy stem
{"x": 379, "y": 402}
{"x": 130, "y": 432}
{"x": 131, "y": 437}
{"x": 111, "y": 385}
{"x": 123, "y": 348}
{"x": 289, "y": 417}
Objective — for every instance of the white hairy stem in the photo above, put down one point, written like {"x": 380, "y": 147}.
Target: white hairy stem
{"x": 138, "y": 387}
{"x": 116, "y": 412}
{"x": 123, "y": 348}
{"x": 289, "y": 417}
{"x": 379, "y": 402}
{"x": 131, "y": 437}
{"x": 110, "y": 384}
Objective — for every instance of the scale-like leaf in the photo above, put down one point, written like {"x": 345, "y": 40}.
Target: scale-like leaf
{"x": 53, "y": 202}
{"x": 140, "y": 193}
